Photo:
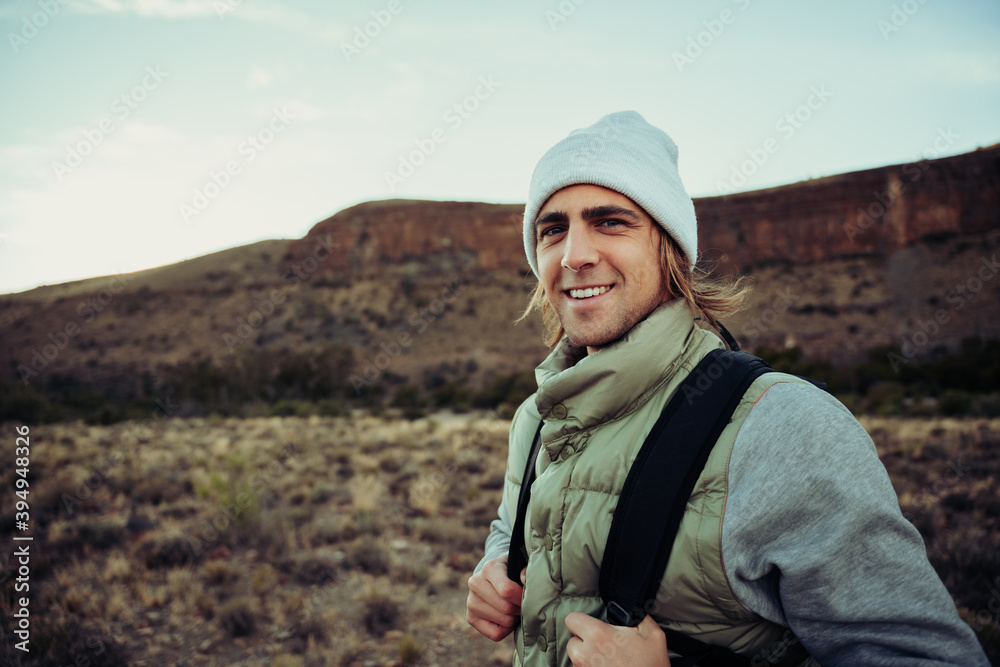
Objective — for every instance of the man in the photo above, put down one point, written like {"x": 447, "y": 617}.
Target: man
{"x": 792, "y": 548}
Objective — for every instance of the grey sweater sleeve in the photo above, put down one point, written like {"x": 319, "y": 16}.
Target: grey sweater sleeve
{"x": 498, "y": 541}
{"x": 813, "y": 539}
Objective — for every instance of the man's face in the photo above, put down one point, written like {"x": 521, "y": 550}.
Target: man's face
{"x": 598, "y": 261}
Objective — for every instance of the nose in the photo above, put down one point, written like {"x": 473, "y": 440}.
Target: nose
{"x": 580, "y": 251}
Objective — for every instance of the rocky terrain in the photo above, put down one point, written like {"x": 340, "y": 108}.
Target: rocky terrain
{"x": 325, "y": 541}
{"x": 337, "y": 522}
{"x": 901, "y": 255}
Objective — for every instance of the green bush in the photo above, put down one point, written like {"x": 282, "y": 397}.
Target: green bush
{"x": 955, "y": 403}
{"x": 408, "y": 396}
{"x": 986, "y": 406}
{"x": 789, "y": 360}
{"x": 287, "y": 407}
{"x": 886, "y": 398}
{"x": 506, "y": 389}
{"x": 20, "y": 402}
{"x": 451, "y": 395}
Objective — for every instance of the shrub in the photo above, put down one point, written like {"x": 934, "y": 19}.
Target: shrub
{"x": 408, "y": 396}
{"x": 322, "y": 492}
{"x": 368, "y": 554}
{"x": 264, "y": 579}
{"x": 221, "y": 573}
{"x": 310, "y": 625}
{"x": 263, "y": 530}
{"x": 204, "y": 604}
{"x": 66, "y": 642}
{"x": 380, "y": 614}
{"x": 330, "y": 408}
{"x": 886, "y": 398}
{"x": 287, "y": 407}
{"x": 330, "y": 530}
{"x": 171, "y": 550}
{"x": 506, "y": 389}
{"x": 987, "y": 406}
{"x": 451, "y": 395}
{"x": 954, "y": 403}
{"x": 967, "y": 564}
{"x": 315, "y": 569}
{"x": 237, "y": 618}
{"x": 410, "y": 649}
{"x": 22, "y": 402}
{"x": 101, "y": 535}
{"x": 155, "y": 488}
{"x": 351, "y": 648}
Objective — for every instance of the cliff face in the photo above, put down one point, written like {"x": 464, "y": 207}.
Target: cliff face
{"x": 866, "y": 213}
{"x": 369, "y": 240}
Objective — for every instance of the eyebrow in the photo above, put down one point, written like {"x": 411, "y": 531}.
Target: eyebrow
{"x": 589, "y": 213}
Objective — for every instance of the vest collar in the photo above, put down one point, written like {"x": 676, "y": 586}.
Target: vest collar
{"x": 577, "y": 391}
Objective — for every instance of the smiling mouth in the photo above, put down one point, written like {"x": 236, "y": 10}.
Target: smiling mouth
{"x": 588, "y": 292}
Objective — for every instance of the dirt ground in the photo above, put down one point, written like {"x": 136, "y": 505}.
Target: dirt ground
{"x": 349, "y": 540}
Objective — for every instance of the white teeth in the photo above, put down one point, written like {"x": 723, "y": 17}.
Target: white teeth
{"x": 589, "y": 292}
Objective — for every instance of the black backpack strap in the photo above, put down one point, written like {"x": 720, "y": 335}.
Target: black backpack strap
{"x": 517, "y": 557}
{"x": 660, "y": 481}
{"x": 728, "y": 337}
{"x": 735, "y": 347}
{"x": 700, "y": 654}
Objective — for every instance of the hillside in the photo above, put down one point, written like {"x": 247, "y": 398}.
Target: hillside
{"x": 427, "y": 292}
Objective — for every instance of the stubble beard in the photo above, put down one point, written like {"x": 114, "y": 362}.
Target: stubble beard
{"x": 609, "y": 328}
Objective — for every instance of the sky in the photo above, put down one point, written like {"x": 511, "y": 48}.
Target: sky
{"x": 138, "y": 133}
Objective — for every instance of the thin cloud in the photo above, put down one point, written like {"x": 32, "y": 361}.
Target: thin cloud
{"x": 170, "y": 9}
{"x": 259, "y": 77}
{"x": 271, "y": 15}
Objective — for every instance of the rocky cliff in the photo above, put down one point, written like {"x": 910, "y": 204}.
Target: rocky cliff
{"x": 903, "y": 255}
{"x": 405, "y": 236}
{"x": 874, "y": 212}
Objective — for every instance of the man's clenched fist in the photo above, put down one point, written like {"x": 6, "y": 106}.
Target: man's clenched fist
{"x": 494, "y": 604}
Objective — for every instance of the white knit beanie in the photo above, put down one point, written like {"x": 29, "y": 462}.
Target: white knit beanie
{"x": 626, "y": 154}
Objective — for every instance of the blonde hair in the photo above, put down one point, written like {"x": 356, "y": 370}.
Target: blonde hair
{"x": 707, "y": 297}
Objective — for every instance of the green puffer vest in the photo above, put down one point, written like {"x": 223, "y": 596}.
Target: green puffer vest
{"x": 598, "y": 410}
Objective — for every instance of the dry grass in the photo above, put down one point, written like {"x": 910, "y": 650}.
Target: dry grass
{"x": 283, "y": 541}
{"x": 325, "y": 541}
{"x": 946, "y": 473}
